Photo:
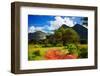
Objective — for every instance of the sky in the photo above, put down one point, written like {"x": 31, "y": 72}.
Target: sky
{"x": 48, "y": 23}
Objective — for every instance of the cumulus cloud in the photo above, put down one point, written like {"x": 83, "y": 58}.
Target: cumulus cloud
{"x": 59, "y": 21}
{"x": 45, "y": 29}
{"x": 55, "y": 24}
{"x": 31, "y": 29}
{"x": 69, "y": 22}
{"x": 34, "y": 29}
{"x": 39, "y": 28}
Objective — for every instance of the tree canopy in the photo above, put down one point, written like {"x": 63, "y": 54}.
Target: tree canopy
{"x": 66, "y": 35}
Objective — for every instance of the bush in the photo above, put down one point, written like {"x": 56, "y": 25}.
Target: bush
{"x": 35, "y": 55}
{"x": 84, "y": 52}
{"x": 47, "y": 45}
{"x": 59, "y": 44}
{"x": 38, "y": 58}
{"x": 72, "y": 48}
{"x": 36, "y": 46}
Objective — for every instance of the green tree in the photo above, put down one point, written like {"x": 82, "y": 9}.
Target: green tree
{"x": 70, "y": 36}
{"x": 66, "y": 35}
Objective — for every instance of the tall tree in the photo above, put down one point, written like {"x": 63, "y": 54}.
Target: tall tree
{"x": 66, "y": 35}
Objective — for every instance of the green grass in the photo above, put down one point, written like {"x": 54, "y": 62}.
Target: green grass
{"x": 82, "y": 46}
{"x": 33, "y": 48}
{"x": 40, "y": 51}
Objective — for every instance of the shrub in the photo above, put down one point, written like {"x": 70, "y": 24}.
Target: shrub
{"x": 38, "y": 58}
{"x": 84, "y": 52}
{"x": 59, "y": 44}
{"x": 42, "y": 52}
{"x": 47, "y": 45}
{"x": 72, "y": 48}
{"x": 36, "y": 46}
{"x": 35, "y": 55}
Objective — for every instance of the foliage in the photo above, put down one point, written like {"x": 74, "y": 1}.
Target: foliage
{"x": 47, "y": 45}
{"x": 70, "y": 50}
{"x": 63, "y": 44}
{"x": 59, "y": 45}
{"x": 83, "y": 52}
{"x": 73, "y": 49}
{"x": 67, "y": 35}
{"x": 36, "y": 46}
{"x": 36, "y": 55}
{"x": 33, "y": 52}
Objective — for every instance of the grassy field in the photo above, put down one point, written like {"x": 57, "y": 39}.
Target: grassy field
{"x": 37, "y": 52}
{"x": 41, "y": 50}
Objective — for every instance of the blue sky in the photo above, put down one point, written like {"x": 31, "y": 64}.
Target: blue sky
{"x": 47, "y": 23}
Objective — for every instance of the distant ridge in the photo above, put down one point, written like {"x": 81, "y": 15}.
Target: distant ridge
{"x": 38, "y": 35}
{"x": 81, "y": 30}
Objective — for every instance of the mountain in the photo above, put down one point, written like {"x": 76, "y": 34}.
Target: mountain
{"x": 30, "y": 36}
{"x": 82, "y": 31}
{"x": 38, "y": 35}
{"x": 64, "y": 26}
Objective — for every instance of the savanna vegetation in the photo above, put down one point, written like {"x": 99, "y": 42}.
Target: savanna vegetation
{"x": 63, "y": 44}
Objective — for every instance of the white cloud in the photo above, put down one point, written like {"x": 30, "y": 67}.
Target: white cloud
{"x": 39, "y": 28}
{"x": 31, "y": 29}
{"x": 56, "y": 23}
{"x": 59, "y": 21}
{"x": 69, "y": 22}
